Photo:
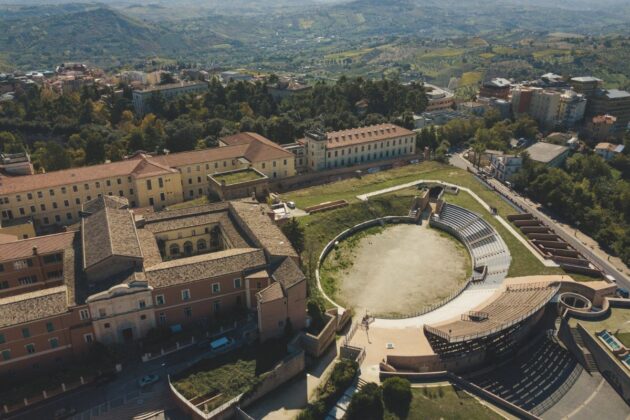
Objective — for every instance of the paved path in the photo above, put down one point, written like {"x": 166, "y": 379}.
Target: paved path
{"x": 591, "y": 397}
{"x": 618, "y": 270}
{"x": 365, "y": 197}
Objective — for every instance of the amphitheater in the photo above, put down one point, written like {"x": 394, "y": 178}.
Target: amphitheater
{"x": 510, "y": 341}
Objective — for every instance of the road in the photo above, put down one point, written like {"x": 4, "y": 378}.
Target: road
{"x": 122, "y": 397}
{"x": 533, "y": 208}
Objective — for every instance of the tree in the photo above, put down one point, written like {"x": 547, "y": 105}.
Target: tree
{"x": 366, "y": 404}
{"x": 294, "y": 232}
{"x": 51, "y": 156}
{"x": 166, "y": 78}
{"x": 397, "y": 395}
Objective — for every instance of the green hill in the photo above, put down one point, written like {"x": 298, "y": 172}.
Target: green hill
{"x": 99, "y": 36}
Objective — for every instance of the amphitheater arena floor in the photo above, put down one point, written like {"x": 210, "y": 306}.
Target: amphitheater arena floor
{"x": 401, "y": 269}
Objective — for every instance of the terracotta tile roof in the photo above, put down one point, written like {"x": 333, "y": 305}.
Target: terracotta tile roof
{"x": 140, "y": 163}
{"x": 32, "y": 306}
{"x": 150, "y": 250}
{"x": 200, "y": 267}
{"x": 45, "y": 245}
{"x": 201, "y": 156}
{"x": 251, "y": 146}
{"x": 271, "y": 293}
{"x": 261, "y": 274}
{"x": 173, "y": 214}
{"x": 360, "y": 135}
{"x": 288, "y": 273}
{"x": 259, "y": 148}
{"x": 261, "y": 229}
{"x": 108, "y": 232}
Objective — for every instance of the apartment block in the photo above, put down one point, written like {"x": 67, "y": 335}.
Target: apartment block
{"x": 356, "y": 146}
{"x": 56, "y": 198}
{"x": 141, "y": 98}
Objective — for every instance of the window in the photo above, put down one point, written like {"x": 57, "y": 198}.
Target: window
{"x": 258, "y": 285}
{"x": 29, "y": 196}
{"x": 2, "y": 339}
{"x": 6, "y": 354}
{"x": 201, "y": 245}
{"x": 30, "y": 348}
{"x": 69, "y": 216}
{"x": 143, "y": 317}
{"x": 161, "y": 182}
{"x": 40, "y": 194}
{"x": 75, "y": 188}
{"x": 162, "y": 318}
{"x": 188, "y": 312}
{"x": 237, "y": 283}
{"x": 108, "y": 183}
{"x": 52, "y": 258}
{"x": 142, "y": 304}
{"x": 46, "y": 221}
{"x": 32, "y": 209}
{"x": 54, "y": 342}
{"x": 26, "y": 333}
{"x": 55, "y": 274}
{"x": 216, "y": 305}
{"x": 98, "y": 184}
{"x": 22, "y": 213}
{"x": 50, "y": 327}
{"x": 23, "y": 281}
{"x": 84, "y": 314}
{"x": 151, "y": 201}
{"x": 159, "y": 300}
{"x": 57, "y": 218}
{"x": 88, "y": 338}
{"x": 149, "y": 186}
{"x": 1, "y": 268}
{"x": 43, "y": 207}
{"x": 86, "y": 187}
{"x": 77, "y": 200}
{"x": 216, "y": 288}
{"x": 119, "y": 181}
{"x": 173, "y": 249}
{"x": 66, "y": 203}
{"x": 102, "y": 313}
{"x": 131, "y": 191}
{"x": 107, "y": 325}
{"x": 52, "y": 193}
{"x": 162, "y": 197}
{"x": 185, "y": 294}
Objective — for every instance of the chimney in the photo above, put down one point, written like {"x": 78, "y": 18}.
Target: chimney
{"x": 35, "y": 250}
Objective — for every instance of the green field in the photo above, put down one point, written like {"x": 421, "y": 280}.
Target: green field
{"x": 446, "y": 402}
{"x": 237, "y": 177}
{"x": 320, "y": 228}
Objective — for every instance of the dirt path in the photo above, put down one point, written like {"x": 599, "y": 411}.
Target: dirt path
{"x": 401, "y": 269}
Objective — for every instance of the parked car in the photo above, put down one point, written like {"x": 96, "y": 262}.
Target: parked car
{"x": 221, "y": 344}
{"x": 291, "y": 205}
{"x": 623, "y": 293}
{"x": 64, "y": 413}
{"x": 148, "y": 380}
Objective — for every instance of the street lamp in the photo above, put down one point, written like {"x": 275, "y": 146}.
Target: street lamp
{"x": 577, "y": 224}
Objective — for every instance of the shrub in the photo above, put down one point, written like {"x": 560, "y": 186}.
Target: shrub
{"x": 397, "y": 395}
{"x": 366, "y": 404}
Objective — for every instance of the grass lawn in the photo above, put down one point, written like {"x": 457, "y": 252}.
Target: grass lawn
{"x": 230, "y": 374}
{"x": 446, "y": 402}
{"x": 190, "y": 203}
{"x": 320, "y": 228}
{"x": 238, "y": 176}
{"x": 624, "y": 338}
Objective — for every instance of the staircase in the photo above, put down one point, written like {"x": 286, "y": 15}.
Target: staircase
{"x": 591, "y": 364}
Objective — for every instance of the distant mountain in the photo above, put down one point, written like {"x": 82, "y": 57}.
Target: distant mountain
{"x": 97, "y": 35}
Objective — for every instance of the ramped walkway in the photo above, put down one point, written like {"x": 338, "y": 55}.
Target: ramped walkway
{"x": 366, "y": 197}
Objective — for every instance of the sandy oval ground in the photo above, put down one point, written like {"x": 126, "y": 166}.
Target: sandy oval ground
{"x": 401, "y": 269}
